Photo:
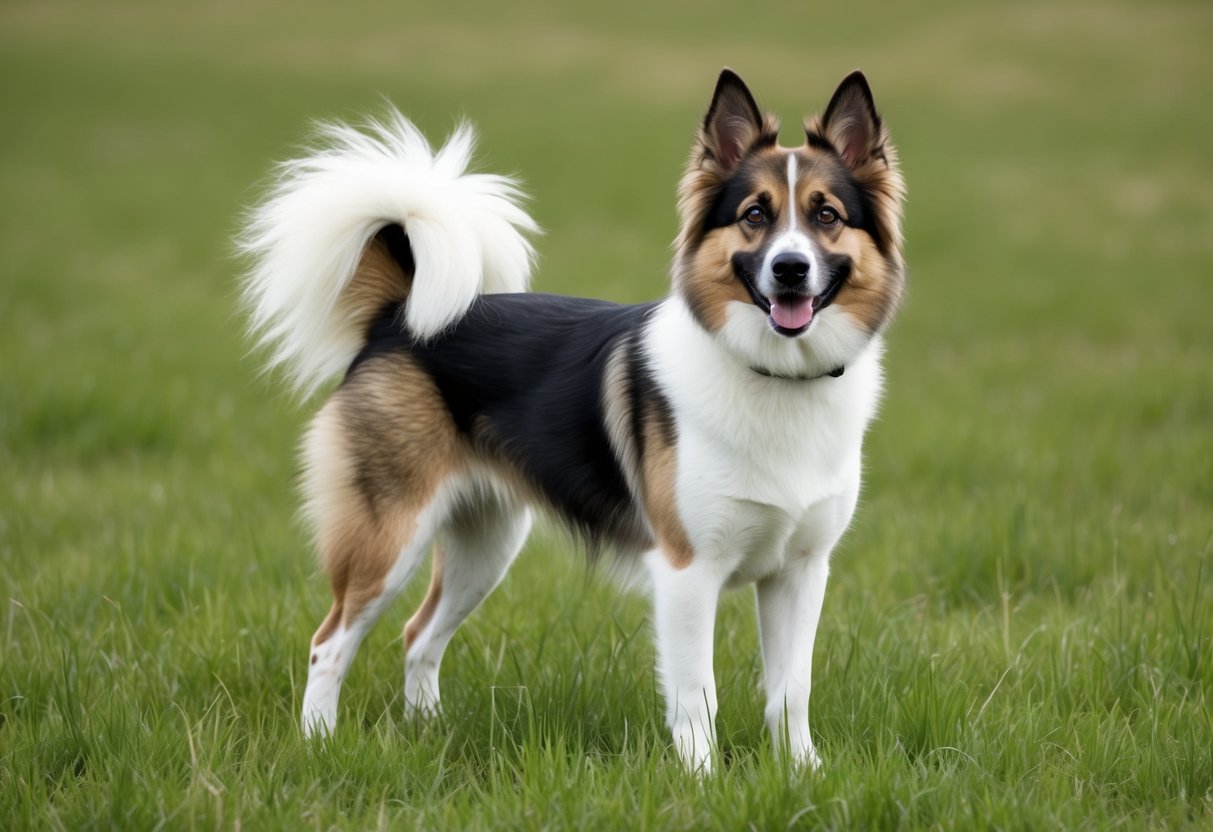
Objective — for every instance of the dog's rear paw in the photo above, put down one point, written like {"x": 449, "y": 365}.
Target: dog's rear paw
{"x": 421, "y": 700}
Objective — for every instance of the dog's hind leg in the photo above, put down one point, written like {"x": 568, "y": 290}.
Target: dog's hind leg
{"x": 373, "y": 564}
{"x": 480, "y": 542}
{"x": 373, "y": 527}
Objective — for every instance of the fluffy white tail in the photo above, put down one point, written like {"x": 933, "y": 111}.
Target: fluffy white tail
{"x": 312, "y": 290}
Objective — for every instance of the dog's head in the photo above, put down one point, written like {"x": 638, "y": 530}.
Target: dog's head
{"x": 792, "y": 256}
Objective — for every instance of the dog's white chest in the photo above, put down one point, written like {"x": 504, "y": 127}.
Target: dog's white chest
{"x": 765, "y": 466}
{"x": 748, "y": 496}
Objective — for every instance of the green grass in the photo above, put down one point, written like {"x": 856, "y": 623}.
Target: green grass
{"x": 1019, "y": 630}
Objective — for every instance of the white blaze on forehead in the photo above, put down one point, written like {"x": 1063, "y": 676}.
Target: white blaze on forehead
{"x": 792, "y": 193}
{"x": 793, "y": 238}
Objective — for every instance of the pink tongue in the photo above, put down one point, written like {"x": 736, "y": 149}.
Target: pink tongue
{"x": 792, "y": 313}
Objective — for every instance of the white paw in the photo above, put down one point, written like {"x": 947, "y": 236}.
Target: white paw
{"x": 423, "y": 709}
{"x": 421, "y": 699}
{"x": 694, "y": 743}
{"x": 318, "y": 721}
{"x": 810, "y": 758}
{"x": 320, "y": 702}
{"x": 803, "y": 754}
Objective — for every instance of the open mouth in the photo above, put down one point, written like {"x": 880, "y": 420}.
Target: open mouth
{"x": 790, "y": 313}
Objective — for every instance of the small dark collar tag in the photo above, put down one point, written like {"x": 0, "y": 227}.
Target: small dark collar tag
{"x": 835, "y": 373}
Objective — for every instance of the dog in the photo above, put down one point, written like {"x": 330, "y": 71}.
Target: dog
{"x": 707, "y": 440}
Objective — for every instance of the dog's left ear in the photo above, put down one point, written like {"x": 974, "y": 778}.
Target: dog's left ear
{"x": 851, "y": 123}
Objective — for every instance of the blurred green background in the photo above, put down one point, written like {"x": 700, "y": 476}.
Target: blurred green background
{"x": 1038, "y": 509}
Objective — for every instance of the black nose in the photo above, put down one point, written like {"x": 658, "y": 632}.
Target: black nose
{"x": 790, "y": 268}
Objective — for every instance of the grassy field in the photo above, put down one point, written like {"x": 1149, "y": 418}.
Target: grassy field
{"x": 1019, "y": 630}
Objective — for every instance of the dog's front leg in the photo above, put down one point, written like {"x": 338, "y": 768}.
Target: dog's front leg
{"x": 684, "y": 617}
{"x": 789, "y": 607}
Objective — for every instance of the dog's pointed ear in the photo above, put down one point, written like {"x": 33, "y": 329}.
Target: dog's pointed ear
{"x": 733, "y": 122}
{"x": 851, "y": 123}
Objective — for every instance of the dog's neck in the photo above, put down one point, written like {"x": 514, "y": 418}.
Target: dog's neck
{"x": 835, "y": 373}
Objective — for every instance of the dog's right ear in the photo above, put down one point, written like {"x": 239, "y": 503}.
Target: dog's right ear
{"x": 733, "y": 123}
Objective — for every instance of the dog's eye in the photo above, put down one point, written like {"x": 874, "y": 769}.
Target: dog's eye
{"x": 827, "y": 215}
{"x": 755, "y": 215}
